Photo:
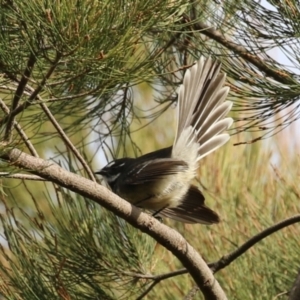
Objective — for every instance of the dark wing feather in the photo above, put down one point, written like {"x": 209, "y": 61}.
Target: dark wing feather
{"x": 192, "y": 209}
{"x": 153, "y": 170}
{"x": 161, "y": 153}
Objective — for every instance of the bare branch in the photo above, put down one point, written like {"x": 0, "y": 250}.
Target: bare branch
{"x": 48, "y": 100}
{"x": 156, "y": 279}
{"x": 229, "y": 258}
{"x": 68, "y": 142}
{"x": 18, "y": 94}
{"x": 191, "y": 294}
{"x": 65, "y": 138}
{"x": 35, "y": 93}
{"x": 166, "y": 236}
{"x": 21, "y": 176}
{"x": 216, "y": 35}
{"x": 20, "y": 131}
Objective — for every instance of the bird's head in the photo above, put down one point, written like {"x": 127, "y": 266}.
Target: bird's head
{"x": 113, "y": 170}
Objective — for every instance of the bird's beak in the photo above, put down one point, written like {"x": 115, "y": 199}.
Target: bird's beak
{"x": 101, "y": 172}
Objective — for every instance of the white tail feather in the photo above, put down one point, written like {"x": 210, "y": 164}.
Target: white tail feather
{"x": 216, "y": 115}
{"x": 213, "y": 144}
{"x": 201, "y": 111}
{"x": 215, "y": 129}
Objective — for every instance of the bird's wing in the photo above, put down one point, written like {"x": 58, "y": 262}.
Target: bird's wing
{"x": 153, "y": 170}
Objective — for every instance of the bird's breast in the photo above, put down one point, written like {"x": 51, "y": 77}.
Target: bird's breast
{"x": 157, "y": 195}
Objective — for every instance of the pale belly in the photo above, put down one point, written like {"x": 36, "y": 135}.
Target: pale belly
{"x": 156, "y": 196}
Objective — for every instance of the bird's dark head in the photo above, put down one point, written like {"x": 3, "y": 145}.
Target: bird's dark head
{"x": 113, "y": 170}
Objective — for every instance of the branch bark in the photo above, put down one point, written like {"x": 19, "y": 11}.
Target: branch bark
{"x": 166, "y": 236}
{"x": 216, "y": 35}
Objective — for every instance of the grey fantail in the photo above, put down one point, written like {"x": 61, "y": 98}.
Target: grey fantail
{"x": 161, "y": 181}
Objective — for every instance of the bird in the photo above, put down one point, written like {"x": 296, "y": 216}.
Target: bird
{"x": 162, "y": 181}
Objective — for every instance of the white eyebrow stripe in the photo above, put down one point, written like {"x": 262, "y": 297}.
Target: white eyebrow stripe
{"x": 112, "y": 178}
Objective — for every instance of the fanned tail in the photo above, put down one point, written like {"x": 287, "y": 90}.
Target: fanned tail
{"x": 201, "y": 129}
{"x": 201, "y": 108}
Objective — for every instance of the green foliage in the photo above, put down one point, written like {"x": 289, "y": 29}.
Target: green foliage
{"x": 85, "y": 252}
{"x": 86, "y": 46}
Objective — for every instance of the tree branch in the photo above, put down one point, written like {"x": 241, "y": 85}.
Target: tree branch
{"x": 229, "y": 258}
{"x": 20, "y": 131}
{"x": 19, "y": 92}
{"x": 166, "y": 236}
{"x": 216, "y": 35}
{"x": 64, "y": 137}
{"x": 34, "y": 94}
{"x": 21, "y": 176}
{"x": 191, "y": 294}
{"x": 156, "y": 279}
{"x": 68, "y": 142}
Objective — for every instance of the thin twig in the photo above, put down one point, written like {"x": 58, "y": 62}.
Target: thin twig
{"x": 65, "y": 137}
{"x": 157, "y": 279}
{"x": 229, "y": 258}
{"x": 68, "y": 79}
{"x": 191, "y": 294}
{"x": 48, "y": 100}
{"x": 20, "y": 131}
{"x": 22, "y": 176}
{"x": 216, "y": 35}
{"x": 68, "y": 142}
{"x": 35, "y": 93}
{"x": 19, "y": 92}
